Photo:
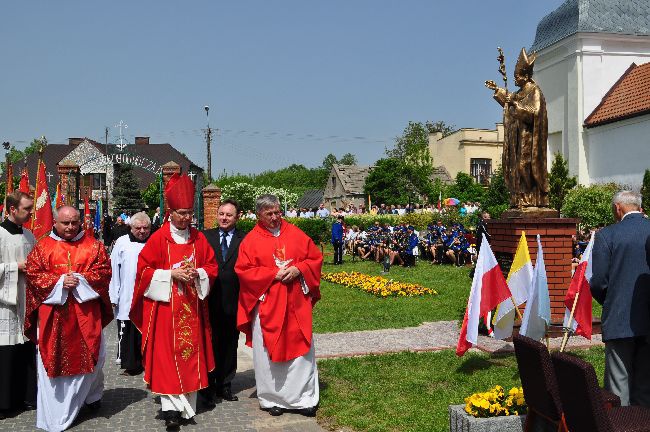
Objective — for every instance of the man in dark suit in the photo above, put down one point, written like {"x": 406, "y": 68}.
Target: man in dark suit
{"x": 223, "y": 299}
{"x": 621, "y": 283}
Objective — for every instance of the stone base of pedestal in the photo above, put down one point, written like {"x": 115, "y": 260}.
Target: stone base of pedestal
{"x": 460, "y": 421}
{"x": 556, "y": 235}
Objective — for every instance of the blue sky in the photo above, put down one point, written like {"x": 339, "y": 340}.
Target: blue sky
{"x": 286, "y": 81}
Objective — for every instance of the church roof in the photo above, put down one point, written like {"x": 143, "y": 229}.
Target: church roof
{"x": 629, "y": 97}
{"x": 629, "y": 17}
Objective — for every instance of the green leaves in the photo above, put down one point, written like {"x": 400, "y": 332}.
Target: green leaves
{"x": 592, "y": 204}
{"x": 559, "y": 181}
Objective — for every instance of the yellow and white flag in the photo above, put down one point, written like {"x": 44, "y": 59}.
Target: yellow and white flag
{"x": 520, "y": 279}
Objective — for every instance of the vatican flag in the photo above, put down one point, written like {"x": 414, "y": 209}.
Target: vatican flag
{"x": 520, "y": 279}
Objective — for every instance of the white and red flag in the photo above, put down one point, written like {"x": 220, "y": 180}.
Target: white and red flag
{"x": 581, "y": 322}
{"x": 489, "y": 288}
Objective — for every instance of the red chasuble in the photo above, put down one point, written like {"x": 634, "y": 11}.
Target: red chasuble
{"x": 286, "y": 312}
{"x": 69, "y": 334}
{"x": 176, "y": 337}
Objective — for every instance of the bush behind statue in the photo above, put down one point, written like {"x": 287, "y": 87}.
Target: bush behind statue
{"x": 592, "y": 204}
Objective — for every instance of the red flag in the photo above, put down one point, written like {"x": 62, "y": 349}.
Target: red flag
{"x": 58, "y": 202}
{"x": 10, "y": 178}
{"x": 24, "y": 181}
{"x": 439, "y": 201}
{"x": 42, "y": 220}
{"x": 88, "y": 224}
{"x": 582, "y": 318}
{"x": 489, "y": 288}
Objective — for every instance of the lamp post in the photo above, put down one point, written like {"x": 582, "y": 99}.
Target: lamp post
{"x": 208, "y": 139}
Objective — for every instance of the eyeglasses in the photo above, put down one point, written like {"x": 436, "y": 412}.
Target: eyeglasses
{"x": 184, "y": 213}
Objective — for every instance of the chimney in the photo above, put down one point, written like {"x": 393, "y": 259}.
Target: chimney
{"x": 75, "y": 141}
{"x": 141, "y": 140}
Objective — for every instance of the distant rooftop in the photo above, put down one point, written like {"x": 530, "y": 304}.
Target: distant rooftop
{"x": 629, "y": 97}
{"x": 629, "y": 17}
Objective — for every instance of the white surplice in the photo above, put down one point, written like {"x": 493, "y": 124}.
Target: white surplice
{"x": 124, "y": 263}
{"x": 61, "y": 398}
{"x": 13, "y": 249}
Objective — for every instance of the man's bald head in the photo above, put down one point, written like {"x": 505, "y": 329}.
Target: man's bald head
{"x": 67, "y": 223}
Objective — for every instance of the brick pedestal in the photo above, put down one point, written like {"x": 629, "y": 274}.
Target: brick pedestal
{"x": 557, "y": 243}
{"x": 211, "y": 203}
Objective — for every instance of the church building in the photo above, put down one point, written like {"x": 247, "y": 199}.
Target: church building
{"x": 590, "y": 67}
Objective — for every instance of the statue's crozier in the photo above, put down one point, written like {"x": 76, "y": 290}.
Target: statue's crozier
{"x": 526, "y": 132}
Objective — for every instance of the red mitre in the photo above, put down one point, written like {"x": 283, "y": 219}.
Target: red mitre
{"x": 179, "y": 192}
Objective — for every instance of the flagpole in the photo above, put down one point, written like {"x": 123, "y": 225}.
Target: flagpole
{"x": 565, "y": 339}
{"x": 516, "y": 308}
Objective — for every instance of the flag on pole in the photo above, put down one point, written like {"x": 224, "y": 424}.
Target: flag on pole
{"x": 42, "y": 219}
{"x": 24, "y": 181}
{"x": 581, "y": 322}
{"x": 99, "y": 211}
{"x": 88, "y": 225}
{"x": 9, "y": 186}
{"x": 489, "y": 288}
{"x": 439, "y": 200}
{"x": 537, "y": 315}
{"x": 58, "y": 197}
{"x": 520, "y": 279}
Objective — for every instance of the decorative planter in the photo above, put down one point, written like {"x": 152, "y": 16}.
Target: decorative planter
{"x": 460, "y": 421}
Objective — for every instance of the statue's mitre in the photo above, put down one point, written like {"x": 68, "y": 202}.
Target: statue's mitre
{"x": 525, "y": 63}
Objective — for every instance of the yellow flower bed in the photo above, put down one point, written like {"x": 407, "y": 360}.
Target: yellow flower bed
{"x": 377, "y": 285}
{"x": 495, "y": 402}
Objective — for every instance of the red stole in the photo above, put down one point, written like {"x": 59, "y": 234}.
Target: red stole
{"x": 69, "y": 334}
{"x": 286, "y": 312}
{"x": 176, "y": 337}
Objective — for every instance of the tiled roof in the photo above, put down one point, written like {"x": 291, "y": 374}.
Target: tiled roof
{"x": 352, "y": 177}
{"x": 630, "y": 17}
{"x": 159, "y": 153}
{"x": 629, "y": 97}
{"x": 310, "y": 199}
{"x": 440, "y": 172}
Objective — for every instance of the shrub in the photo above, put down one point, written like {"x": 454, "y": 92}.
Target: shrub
{"x": 318, "y": 229}
{"x": 592, "y": 204}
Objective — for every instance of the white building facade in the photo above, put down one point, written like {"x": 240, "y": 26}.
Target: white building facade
{"x": 583, "y": 48}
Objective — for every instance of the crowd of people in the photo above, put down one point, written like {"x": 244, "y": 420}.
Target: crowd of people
{"x": 180, "y": 298}
{"x": 402, "y": 244}
{"x": 382, "y": 209}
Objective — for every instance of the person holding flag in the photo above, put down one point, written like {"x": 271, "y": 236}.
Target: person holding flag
{"x": 621, "y": 283}
{"x": 489, "y": 288}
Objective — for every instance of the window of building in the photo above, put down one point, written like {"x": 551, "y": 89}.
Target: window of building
{"x": 333, "y": 182}
{"x": 481, "y": 170}
{"x": 99, "y": 181}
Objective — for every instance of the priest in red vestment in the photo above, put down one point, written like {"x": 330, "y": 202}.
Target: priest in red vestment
{"x": 67, "y": 306}
{"x": 176, "y": 268}
{"x": 279, "y": 269}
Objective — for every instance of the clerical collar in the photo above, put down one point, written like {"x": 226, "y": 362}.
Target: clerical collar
{"x": 134, "y": 239}
{"x": 275, "y": 232}
{"x": 179, "y": 234}
{"x": 56, "y": 236}
{"x": 11, "y": 227}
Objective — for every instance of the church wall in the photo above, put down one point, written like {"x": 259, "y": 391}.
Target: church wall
{"x": 619, "y": 152}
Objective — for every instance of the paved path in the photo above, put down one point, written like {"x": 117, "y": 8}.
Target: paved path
{"x": 128, "y": 406}
{"x": 426, "y": 337}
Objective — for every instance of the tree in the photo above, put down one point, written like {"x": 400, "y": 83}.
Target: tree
{"x": 496, "y": 199}
{"x": 413, "y": 146}
{"x": 466, "y": 189}
{"x": 151, "y": 196}
{"x": 348, "y": 159}
{"x": 392, "y": 181}
{"x": 559, "y": 181}
{"x": 126, "y": 191}
{"x": 439, "y": 126}
{"x": 329, "y": 160}
{"x": 645, "y": 191}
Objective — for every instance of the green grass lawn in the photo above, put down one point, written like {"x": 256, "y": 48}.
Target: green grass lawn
{"x": 347, "y": 309}
{"x": 411, "y": 391}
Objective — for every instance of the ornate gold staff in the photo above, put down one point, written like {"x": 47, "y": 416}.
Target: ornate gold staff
{"x": 502, "y": 68}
